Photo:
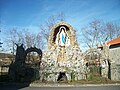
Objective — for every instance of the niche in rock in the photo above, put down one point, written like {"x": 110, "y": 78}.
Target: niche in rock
{"x": 62, "y": 77}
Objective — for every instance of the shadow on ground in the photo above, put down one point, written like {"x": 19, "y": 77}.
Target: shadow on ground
{"x": 6, "y": 84}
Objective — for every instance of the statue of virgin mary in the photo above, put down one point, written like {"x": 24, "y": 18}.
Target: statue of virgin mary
{"x": 61, "y": 36}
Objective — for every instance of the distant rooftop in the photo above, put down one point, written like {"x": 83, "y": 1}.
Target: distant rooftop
{"x": 113, "y": 42}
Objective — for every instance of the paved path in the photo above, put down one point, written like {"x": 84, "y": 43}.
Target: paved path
{"x": 61, "y": 87}
{"x": 75, "y": 88}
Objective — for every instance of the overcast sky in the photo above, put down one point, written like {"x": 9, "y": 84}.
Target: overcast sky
{"x": 31, "y": 13}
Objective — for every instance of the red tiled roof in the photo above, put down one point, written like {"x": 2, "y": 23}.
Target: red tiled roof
{"x": 114, "y": 41}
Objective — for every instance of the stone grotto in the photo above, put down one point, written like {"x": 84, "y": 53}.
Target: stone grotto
{"x": 63, "y": 60}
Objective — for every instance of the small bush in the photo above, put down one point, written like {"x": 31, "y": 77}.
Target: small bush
{"x": 94, "y": 78}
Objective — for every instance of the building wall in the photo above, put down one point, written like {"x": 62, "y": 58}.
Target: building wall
{"x": 114, "y": 56}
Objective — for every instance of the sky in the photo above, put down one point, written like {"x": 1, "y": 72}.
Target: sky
{"x": 78, "y": 13}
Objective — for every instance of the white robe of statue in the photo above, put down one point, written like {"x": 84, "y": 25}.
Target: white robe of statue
{"x": 62, "y": 38}
{"x": 57, "y": 39}
{"x": 67, "y": 41}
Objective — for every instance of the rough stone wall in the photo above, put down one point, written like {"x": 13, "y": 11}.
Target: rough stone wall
{"x": 114, "y": 55}
{"x": 104, "y": 62}
{"x": 74, "y": 63}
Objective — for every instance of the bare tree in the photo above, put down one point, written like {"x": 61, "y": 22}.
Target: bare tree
{"x": 98, "y": 32}
{"x": 49, "y": 23}
{"x": 22, "y": 37}
{"x": 39, "y": 41}
{"x": 91, "y": 33}
{"x": 112, "y": 30}
{"x": 11, "y": 39}
{"x": 32, "y": 40}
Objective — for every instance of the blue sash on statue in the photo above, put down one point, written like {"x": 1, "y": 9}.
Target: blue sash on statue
{"x": 63, "y": 39}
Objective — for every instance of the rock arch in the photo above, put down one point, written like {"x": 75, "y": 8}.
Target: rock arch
{"x": 34, "y": 49}
{"x": 92, "y": 59}
{"x": 54, "y": 31}
{"x": 21, "y": 53}
{"x": 19, "y": 70}
{"x": 57, "y": 30}
{"x": 92, "y": 50}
